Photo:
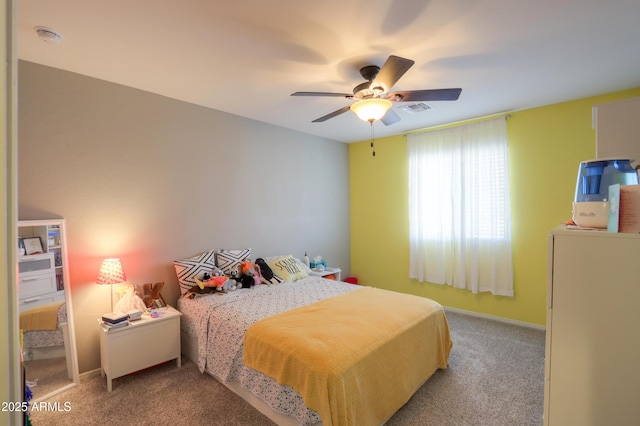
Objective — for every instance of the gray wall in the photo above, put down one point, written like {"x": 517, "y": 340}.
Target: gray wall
{"x": 150, "y": 180}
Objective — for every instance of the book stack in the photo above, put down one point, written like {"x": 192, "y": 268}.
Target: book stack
{"x": 134, "y": 315}
{"x": 115, "y": 320}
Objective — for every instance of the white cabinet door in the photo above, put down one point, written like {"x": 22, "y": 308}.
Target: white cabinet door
{"x": 594, "y": 342}
{"x": 617, "y": 127}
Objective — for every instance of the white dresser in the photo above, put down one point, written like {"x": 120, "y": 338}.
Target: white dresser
{"x": 37, "y": 281}
{"x": 592, "y": 364}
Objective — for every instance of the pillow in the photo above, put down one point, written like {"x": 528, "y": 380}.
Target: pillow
{"x": 288, "y": 268}
{"x": 298, "y": 261}
{"x": 266, "y": 272}
{"x": 188, "y": 269}
{"x": 229, "y": 260}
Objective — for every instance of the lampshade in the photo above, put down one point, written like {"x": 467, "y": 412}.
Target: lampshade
{"x": 371, "y": 109}
{"x": 111, "y": 272}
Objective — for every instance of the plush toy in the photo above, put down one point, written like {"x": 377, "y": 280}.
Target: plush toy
{"x": 258, "y": 275}
{"x": 221, "y": 283}
{"x": 231, "y": 285}
{"x": 246, "y": 281}
{"x": 216, "y": 272}
{"x": 196, "y": 291}
{"x": 249, "y": 274}
{"x": 209, "y": 281}
{"x": 266, "y": 273}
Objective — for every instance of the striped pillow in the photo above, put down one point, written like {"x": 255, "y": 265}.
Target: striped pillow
{"x": 229, "y": 260}
{"x": 188, "y": 269}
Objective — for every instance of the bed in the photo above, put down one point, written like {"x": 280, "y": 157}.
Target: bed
{"x": 246, "y": 339}
{"x": 45, "y": 332}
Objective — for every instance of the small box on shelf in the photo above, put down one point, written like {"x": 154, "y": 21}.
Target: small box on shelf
{"x": 314, "y": 264}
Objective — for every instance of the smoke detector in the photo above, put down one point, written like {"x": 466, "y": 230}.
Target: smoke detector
{"x": 48, "y": 35}
{"x": 415, "y": 108}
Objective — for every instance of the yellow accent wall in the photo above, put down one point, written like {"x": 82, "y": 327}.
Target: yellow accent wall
{"x": 546, "y": 145}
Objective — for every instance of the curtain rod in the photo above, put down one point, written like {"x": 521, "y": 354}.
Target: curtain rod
{"x": 506, "y": 115}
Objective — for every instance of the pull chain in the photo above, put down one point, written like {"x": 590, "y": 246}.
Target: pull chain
{"x": 373, "y": 149}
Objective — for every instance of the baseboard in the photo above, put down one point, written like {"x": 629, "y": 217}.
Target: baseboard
{"x": 494, "y": 318}
{"x": 90, "y": 373}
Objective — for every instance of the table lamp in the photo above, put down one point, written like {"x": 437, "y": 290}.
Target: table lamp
{"x": 111, "y": 273}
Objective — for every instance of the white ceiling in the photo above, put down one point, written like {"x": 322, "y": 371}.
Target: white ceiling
{"x": 246, "y": 57}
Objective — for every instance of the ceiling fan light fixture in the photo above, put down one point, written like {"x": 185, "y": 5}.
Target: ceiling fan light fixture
{"x": 371, "y": 109}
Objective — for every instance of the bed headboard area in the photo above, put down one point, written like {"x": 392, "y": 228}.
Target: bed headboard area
{"x": 223, "y": 270}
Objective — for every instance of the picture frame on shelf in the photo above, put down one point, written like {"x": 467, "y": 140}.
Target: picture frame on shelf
{"x": 21, "y": 250}
{"x": 33, "y": 245}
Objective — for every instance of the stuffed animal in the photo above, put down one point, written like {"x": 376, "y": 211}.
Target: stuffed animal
{"x": 246, "y": 281}
{"x": 258, "y": 275}
{"x": 249, "y": 274}
{"x": 230, "y": 285}
{"x": 266, "y": 272}
{"x": 220, "y": 283}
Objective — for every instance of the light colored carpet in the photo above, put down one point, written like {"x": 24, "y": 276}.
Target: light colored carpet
{"x": 48, "y": 374}
{"x": 495, "y": 377}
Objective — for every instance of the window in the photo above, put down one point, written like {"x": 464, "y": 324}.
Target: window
{"x": 459, "y": 207}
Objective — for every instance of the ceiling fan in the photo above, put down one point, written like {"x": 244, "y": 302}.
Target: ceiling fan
{"x": 374, "y": 96}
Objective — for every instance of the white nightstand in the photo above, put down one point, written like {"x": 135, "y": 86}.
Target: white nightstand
{"x": 328, "y": 271}
{"x": 143, "y": 343}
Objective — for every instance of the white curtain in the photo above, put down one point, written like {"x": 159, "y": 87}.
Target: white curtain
{"x": 459, "y": 207}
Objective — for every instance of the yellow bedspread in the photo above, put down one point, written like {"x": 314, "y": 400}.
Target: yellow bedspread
{"x": 355, "y": 358}
{"x": 44, "y": 317}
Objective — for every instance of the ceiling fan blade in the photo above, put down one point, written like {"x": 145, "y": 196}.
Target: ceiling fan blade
{"x": 345, "y": 95}
{"x": 333, "y": 114}
{"x": 391, "y": 71}
{"x": 390, "y": 117}
{"x": 425, "y": 95}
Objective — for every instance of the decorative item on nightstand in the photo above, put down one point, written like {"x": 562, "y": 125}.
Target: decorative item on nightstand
{"x": 129, "y": 300}
{"x": 151, "y": 295}
{"x": 317, "y": 264}
{"x": 111, "y": 273}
